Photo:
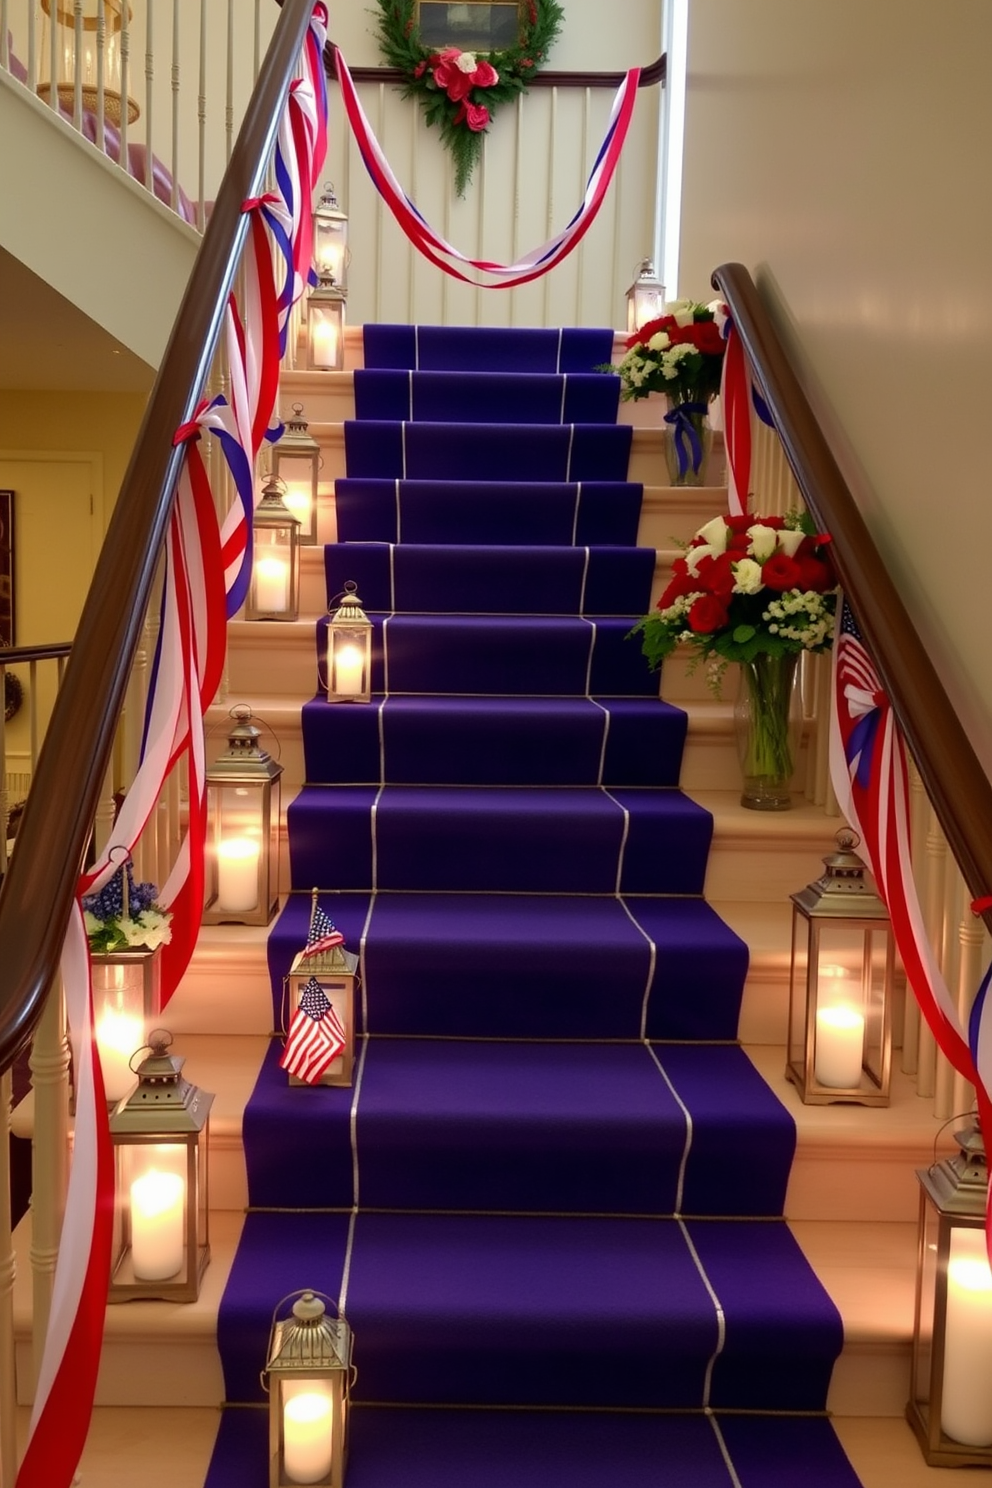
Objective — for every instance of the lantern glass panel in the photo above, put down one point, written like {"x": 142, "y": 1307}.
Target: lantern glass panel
{"x": 160, "y": 1218}
{"x": 298, "y": 473}
{"x": 309, "y": 1422}
{"x": 127, "y": 995}
{"x": 645, "y": 302}
{"x": 801, "y": 932}
{"x": 930, "y": 1264}
{"x": 325, "y": 333}
{"x": 878, "y": 971}
{"x": 272, "y": 580}
{"x": 330, "y": 249}
{"x": 348, "y": 657}
{"x": 242, "y": 844}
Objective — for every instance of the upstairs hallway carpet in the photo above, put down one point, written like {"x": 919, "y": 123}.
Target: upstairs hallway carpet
{"x": 551, "y": 1204}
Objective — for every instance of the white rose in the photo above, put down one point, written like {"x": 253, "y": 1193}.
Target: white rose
{"x": 789, "y": 540}
{"x": 685, "y": 317}
{"x": 763, "y": 541}
{"x": 718, "y": 310}
{"x": 695, "y": 556}
{"x": 747, "y": 577}
{"x": 659, "y": 341}
{"x": 465, "y": 62}
{"x": 716, "y": 532}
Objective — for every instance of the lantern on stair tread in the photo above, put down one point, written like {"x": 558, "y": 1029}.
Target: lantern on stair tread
{"x": 336, "y": 973}
{"x": 296, "y": 462}
{"x": 325, "y": 328}
{"x": 840, "y": 986}
{"x": 308, "y": 1375}
{"x": 242, "y": 836}
{"x": 127, "y": 999}
{"x": 348, "y": 657}
{"x": 330, "y": 240}
{"x": 645, "y": 297}
{"x": 160, "y": 1134}
{"x": 273, "y": 593}
{"x": 950, "y": 1401}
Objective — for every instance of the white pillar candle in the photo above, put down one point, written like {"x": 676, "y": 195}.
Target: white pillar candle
{"x": 348, "y": 671}
{"x": 157, "y": 1225}
{"x": 298, "y": 497}
{"x": 966, "y": 1396}
{"x": 325, "y": 342}
{"x": 839, "y": 1047}
{"x": 237, "y": 875}
{"x": 272, "y": 585}
{"x": 118, "y": 1035}
{"x": 306, "y": 1436}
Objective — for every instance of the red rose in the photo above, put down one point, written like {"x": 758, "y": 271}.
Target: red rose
{"x": 815, "y": 574}
{"x": 707, "y": 615}
{"x": 716, "y": 575}
{"x": 739, "y": 543}
{"x": 643, "y": 336}
{"x": 485, "y": 75}
{"x": 681, "y": 584}
{"x": 780, "y": 572}
{"x": 739, "y": 525}
{"x": 707, "y": 338}
{"x": 476, "y": 116}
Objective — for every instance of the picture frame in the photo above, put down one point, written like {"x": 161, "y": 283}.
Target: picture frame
{"x": 472, "y": 26}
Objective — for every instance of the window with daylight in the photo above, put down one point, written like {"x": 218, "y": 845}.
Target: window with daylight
{"x": 473, "y": 26}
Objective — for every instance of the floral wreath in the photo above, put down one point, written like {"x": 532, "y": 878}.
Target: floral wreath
{"x": 461, "y": 91}
{"x": 13, "y": 695}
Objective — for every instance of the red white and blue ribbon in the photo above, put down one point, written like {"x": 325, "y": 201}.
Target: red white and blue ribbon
{"x": 206, "y": 569}
{"x": 441, "y": 253}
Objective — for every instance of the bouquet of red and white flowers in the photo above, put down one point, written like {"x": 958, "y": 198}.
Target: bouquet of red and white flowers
{"x": 745, "y": 587}
{"x": 679, "y": 354}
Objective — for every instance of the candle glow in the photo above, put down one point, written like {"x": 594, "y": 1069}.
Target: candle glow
{"x": 307, "y": 1438}
{"x": 966, "y": 1396}
{"x": 157, "y": 1225}
{"x": 348, "y": 660}
{"x": 272, "y": 585}
{"x": 118, "y": 1035}
{"x": 237, "y": 875}
{"x": 840, "y": 1038}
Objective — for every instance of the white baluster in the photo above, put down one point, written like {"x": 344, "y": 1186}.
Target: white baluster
{"x": 49, "y": 1065}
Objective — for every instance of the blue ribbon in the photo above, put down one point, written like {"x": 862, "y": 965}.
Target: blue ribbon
{"x": 861, "y": 741}
{"x": 688, "y": 445}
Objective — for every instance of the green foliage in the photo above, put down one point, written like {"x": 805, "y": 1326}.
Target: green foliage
{"x": 399, "y": 41}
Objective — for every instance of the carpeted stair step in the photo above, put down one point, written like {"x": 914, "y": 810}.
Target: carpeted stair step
{"x": 487, "y": 511}
{"x": 397, "y": 1448}
{"x": 531, "y": 965}
{"x": 449, "y": 1125}
{"x": 532, "y": 656}
{"x": 487, "y": 397}
{"x": 539, "y": 1311}
{"x": 453, "y": 579}
{"x": 507, "y": 452}
{"x": 498, "y": 840}
{"x": 487, "y": 348}
{"x": 494, "y": 741}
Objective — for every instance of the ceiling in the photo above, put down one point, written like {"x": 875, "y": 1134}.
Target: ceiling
{"x": 49, "y": 345}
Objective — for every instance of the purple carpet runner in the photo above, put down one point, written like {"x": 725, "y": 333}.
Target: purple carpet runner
{"x": 551, "y": 1204}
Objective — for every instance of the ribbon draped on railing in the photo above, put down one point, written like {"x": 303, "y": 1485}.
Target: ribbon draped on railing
{"x": 440, "y": 253}
{"x": 205, "y": 581}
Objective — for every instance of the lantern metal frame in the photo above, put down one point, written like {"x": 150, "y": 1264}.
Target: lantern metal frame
{"x": 337, "y": 972}
{"x": 309, "y": 1348}
{"x": 250, "y": 772}
{"x": 164, "y": 1111}
{"x": 953, "y": 1200}
{"x": 296, "y": 447}
{"x": 127, "y": 982}
{"x": 645, "y": 297}
{"x": 348, "y": 625}
{"x": 330, "y": 231}
{"x": 326, "y": 311}
{"x": 274, "y": 528}
{"x": 842, "y": 899}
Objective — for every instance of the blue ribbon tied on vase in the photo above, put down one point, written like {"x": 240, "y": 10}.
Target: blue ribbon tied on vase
{"x": 688, "y": 445}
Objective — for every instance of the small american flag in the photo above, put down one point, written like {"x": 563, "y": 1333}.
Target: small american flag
{"x": 322, "y": 935}
{"x": 316, "y": 1035}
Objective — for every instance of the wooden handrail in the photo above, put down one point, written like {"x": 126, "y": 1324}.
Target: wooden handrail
{"x": 952, "y": 775}
{"x": 655, "y": 72}
{"x": 13, "y": 655}
{"x": 38, "y": 889}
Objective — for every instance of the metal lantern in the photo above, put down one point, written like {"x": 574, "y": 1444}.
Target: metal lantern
{"x": 296, "y": 461}
{"x": 275, "y": 572}
{"x": 840, "y": 985}
{"x": 325, "y": 328}
{"x": 336, "y": 971}
{"x": 160, "y": 1134}
{"x": 348, "y": 674}
{"x": 242, "y": 840}
{"x": 308, "y": 1376}
{"x": 127, "y": 999}
{"x": 950, "y": 1403}
{"x": 645, "y": 297}
{"x": 330, "y": 240}
{"x": 88, "y": 40}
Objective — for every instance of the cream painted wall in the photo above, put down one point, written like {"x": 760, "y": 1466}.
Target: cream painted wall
{"x": 841, "y": 152}
{"x": 104, "y": 422}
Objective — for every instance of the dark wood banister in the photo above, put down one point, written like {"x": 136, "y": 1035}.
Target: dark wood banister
{"x": 951, "y": 772}
{"x": 51, "y": 843}
{"x": 17, "y": 655}
{"x": 655, "y": 72}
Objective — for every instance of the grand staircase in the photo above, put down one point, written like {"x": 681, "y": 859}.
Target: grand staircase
{"x": 552, "y": 1204}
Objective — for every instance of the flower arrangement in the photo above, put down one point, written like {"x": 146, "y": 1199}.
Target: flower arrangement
{"x": 460, "y": 91}
{"x": 680, "y": 354}
{"x": 745, "y": 587}
{"x": 124, "y": 914}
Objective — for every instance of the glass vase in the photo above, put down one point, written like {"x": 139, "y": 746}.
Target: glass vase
{"x": 768, "y": 725}
{"x": 688, "y": 444}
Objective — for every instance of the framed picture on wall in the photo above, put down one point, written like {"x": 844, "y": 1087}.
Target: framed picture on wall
{"x": 475, "y": 25}
{"x": 6, "y": 568}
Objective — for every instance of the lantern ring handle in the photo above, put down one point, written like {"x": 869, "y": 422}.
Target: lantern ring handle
{"x": 307, "y": 1292}
{"x": 153, "y": 1046}
{"x": 243, "y": 710}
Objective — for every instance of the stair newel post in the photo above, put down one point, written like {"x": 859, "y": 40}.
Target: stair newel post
{"x": 8, "y": 1270}
{"x": 49, "y": 1065}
